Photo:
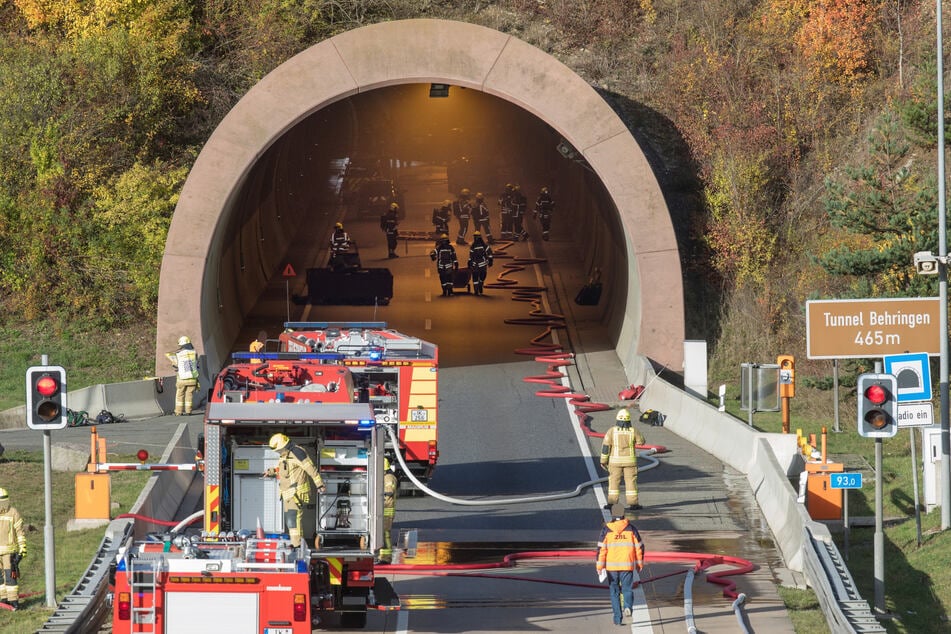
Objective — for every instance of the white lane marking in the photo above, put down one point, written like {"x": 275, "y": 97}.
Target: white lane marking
{"x": 429, "y": 322}
{"x": 402, "y": 621}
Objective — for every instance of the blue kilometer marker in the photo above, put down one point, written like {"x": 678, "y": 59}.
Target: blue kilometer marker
{"x": 851, "y": 480}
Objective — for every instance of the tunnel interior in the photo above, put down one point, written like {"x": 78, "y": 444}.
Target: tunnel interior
{"x": 302, "y": 184}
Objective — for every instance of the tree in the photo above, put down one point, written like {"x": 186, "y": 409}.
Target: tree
{"x": 887, "y": 210}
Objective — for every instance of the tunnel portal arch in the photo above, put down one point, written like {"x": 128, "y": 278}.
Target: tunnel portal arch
{"x": 420, "y": 51}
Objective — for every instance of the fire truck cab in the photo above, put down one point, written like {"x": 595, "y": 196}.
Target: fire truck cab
{"x": 241, "y": 573}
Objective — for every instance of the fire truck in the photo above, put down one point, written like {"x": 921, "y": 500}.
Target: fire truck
{"x": 241, "y": 572}
{"x": 395, "y": 373}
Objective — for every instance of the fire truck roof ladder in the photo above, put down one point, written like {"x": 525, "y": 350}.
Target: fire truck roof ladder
{"x": 143, "y": 581}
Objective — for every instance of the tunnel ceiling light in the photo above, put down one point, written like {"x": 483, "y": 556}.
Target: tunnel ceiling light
{"x": 438, "y": 90}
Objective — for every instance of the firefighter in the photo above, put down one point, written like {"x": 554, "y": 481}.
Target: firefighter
{"x": 390, "y": 487}
{"x": 389, "y": 223}
{"x": 480, "y": 259}
{"x": 444, "y": 255}
{"x": 544, "y": 206}
{"x": 257, "y": 346}
{"x": 441, "y": 217}
{"x": 12, "y": 550}
{"x": 480, "y": 217}
{"x": 185, "y": 361}
{"x": 295, "y": 471}
{"x": 462, "y": 210}
{"x": 619, "y": 457}
{"x": 505, "y": 211}
{"x": 339, "y": 244}
{"x": 519, "y": 205}
{"x": 620, "y": 559}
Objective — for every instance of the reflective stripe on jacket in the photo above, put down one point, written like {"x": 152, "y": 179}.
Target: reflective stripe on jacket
{"x": 618, "y": 446}
{"x": 620, "y": 547}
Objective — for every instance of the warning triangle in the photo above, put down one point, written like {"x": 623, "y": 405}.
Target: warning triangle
{"x": 289, "y": 271}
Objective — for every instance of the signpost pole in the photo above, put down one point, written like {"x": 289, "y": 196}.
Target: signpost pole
{"x": 914, "y": 483}
{"x": 845, "y": 522}
{"x": 835, "y": 395}
{"x": 943, "y": 290}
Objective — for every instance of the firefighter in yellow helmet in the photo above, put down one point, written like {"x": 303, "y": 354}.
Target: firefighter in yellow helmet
{"x": 12, "y": 550}
{"x": 295, "y": 472}
{"x": 619, "y": 457}
{"x": 185, "y": 361}
{"x": 390, "y": 488}
{"x": 257, "y": 346}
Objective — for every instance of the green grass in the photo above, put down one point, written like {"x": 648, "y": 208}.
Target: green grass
{"x": 21, "y": 473}
{"x": 89, "y": 355}
{"x": 917, "y": 578}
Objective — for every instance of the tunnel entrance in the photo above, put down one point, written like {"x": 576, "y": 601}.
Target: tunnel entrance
{"x": 299, "y": 143}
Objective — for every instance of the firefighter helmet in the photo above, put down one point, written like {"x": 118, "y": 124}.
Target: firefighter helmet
{"x": 279, "y": 442}
{"x": 339, "y": 225}
{"x": 394, "y": 206}
{"x": 624, "y": 416}
{"x": 509, "y": 185}
{"x": 479, "y": 196}
{"x": 477, "y": 234}
{"x": 447, "y": 203}
{"x": 443, "y": 237}
{"x": 544, "y": 190}
{"x": 386, "y": 464}
{"x": 3, "y": 494}
{"x": 465, "y": 191}
{"x": 183, "y": 340}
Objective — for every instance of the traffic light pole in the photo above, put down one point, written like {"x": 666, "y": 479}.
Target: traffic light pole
{"x": 879, "y": 539}
{"x": 48, "y": 546}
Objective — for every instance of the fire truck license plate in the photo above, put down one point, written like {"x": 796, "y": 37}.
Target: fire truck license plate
{"x": 278, "y": 630}
{"x": 419, "y": 415}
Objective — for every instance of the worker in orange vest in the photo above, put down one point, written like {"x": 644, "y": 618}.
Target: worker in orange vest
{"x": 620, "y": 559}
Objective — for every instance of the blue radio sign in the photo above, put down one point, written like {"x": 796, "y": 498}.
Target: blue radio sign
{"x": 848, "y": 480}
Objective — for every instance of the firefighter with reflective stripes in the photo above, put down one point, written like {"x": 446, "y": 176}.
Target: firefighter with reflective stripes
{"x": 544, "y": 206}
{"x": 481, "y": 217}
{"x": 339, "y": 245}
{"x": 185, "y": 361}
{"x": 519, "y": 207}
{"x": 390, "y": 486}
{"x": 619, "y": 457}
{"x": 12, "y": 550}
{"x": 620, "y": 558}
{"x": 447, "y": 263}
{"x": 389, "y": 223}
{"x": 441, "y": 217}
{"x": 295, "y": 471}
{"x": 480, "y": 259}
{"x": 505, "y": 211}
{"x": 462, "y": 210}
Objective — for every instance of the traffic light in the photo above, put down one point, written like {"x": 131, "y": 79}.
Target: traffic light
{"x": 877, "y": 406}
{"x": 46, "y": 397}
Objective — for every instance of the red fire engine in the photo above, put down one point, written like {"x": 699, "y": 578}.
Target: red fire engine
{"x": 396, "y": 373}
{"x": 241, "y": 573}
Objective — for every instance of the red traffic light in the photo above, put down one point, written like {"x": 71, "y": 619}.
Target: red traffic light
{"x": 47, "y": 386}
{"x": 876, "y": 394}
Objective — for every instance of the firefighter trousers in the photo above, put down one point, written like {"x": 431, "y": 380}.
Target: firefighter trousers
{"x": 10, "y": 589}
{"x": 629, "y": 474}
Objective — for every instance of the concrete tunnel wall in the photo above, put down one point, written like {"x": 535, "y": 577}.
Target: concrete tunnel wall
{"x": 201, "y": 290}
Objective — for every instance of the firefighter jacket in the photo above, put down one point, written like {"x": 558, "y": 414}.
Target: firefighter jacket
{"x": 389, "y": 223}
{"x": 12, "y": 537}
{"x": 295, "y": 471}
{"x": 544, "y": 205}
{"x": 618, "y": 446}
{"x": 620, "y": 547}
{"x": 339, "y": 242}
{"x": 185, "y": 361}
{"x": 505, "y": 201}
{"x": 519, "y": 203}
{"x": 390, "y": 484}
{"x": 480, "y": 255}
{"x": 462, "y": 208}
{"x": 481, "y": 212}
{"x": 444, "y": 255}
{"x": 441, "y": 218}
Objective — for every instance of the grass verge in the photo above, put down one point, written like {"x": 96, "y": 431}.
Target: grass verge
{"x": 21, "y": 473}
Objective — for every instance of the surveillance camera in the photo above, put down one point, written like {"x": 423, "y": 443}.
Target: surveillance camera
{"x": 926, "y": 263}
